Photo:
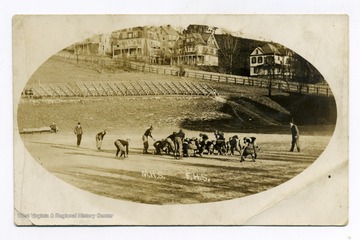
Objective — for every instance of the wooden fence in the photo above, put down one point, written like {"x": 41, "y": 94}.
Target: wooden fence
{"x": 278, "y": 84}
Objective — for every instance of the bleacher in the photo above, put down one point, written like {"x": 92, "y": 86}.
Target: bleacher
{"x": 98, "y": 89}
{"x": 37, "y": 130}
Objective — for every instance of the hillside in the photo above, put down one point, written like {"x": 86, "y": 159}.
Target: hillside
{"x": 236, "y": 108}
{"x": 239, "y": 63}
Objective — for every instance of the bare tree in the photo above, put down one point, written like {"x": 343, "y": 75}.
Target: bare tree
{"x": 228, "y": 50}
{"x": 270, "y": 66}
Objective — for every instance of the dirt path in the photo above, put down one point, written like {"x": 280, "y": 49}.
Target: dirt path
{"x": 156, "y": 179}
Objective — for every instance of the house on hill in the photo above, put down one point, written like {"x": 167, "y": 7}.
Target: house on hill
{"x": 196, "y": 49}
{"x": 137, "y": 44}
{"x": 267, "y": 60}
{"x": 168, "y": 37}
{"x": 96, "y": 45}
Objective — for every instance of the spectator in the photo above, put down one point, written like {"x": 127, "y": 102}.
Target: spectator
{"x": 54, "y": 128}
{"x": 295, "y": 137}
{"x": 78, "y": 131}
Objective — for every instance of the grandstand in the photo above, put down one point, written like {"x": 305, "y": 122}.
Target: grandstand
{"x": 100, "y": 89}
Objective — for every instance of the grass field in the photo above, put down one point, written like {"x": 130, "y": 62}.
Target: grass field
{"x": 245, "y": 111}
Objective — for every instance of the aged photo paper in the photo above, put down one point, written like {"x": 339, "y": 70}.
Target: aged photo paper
{"x": 111, "y": 113}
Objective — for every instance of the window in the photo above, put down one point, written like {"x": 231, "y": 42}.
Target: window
{"x": 255, "y": 70}
{"x": 253, "y": 60}
{"x": 260, "y": 59}
{"x": 269, "y": 59}
{"x": 130, "y": 35}
{"x": 256, "y": 51}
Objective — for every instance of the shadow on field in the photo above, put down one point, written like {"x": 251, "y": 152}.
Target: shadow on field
{"x": 90, "y": 155}
{"x": 309, "y": 109}
{"x": 75, "y": 148}
{"x": 315, "y": 114}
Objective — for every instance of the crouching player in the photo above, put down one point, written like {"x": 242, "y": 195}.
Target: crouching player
{"x": 122, "y": 148}
{"x": 250, "y": 148}
{"x": 160, "y": 147}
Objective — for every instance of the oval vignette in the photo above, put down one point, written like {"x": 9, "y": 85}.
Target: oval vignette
{"x": 128, "y": 80}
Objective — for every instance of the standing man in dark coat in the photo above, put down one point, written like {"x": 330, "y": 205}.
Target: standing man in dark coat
{"x": 99, "y": 138}
{"x": 78, "y": 132}
{"x": 295, "y": 137}
{"x": 145, "y": 139}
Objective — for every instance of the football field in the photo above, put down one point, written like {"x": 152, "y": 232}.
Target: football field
{"x": 154, "y": 179}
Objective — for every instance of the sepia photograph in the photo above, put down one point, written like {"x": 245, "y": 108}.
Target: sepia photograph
{"x": 180, "y": 120}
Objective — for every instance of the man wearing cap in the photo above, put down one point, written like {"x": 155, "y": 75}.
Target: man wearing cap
{"x": 295, "y": 137}
{"x": 78, "y": 132}
{"x": 145, "y": 139}
{"x": 99, "y": 138}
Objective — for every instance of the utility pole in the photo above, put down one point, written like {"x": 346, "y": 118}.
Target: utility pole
{"x": 271, "y": 67}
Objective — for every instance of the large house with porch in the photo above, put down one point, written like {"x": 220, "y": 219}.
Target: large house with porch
{"x": 96, "y": 45}
{"x": 137, "y": 44}
{"x": 268, "y": 60}
{"x": 196, "y": 49}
